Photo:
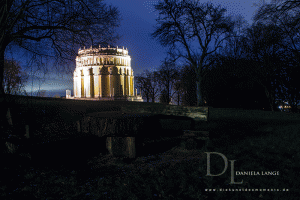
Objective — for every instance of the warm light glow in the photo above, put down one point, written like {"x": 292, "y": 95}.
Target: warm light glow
{"x": 103, "y": 72}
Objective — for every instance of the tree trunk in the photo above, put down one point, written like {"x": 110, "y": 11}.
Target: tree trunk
{"x": 5, "y": 117}
{"x": 168, "y": 93}
{"x": 199, "y": 94}
{"x": 270, "y": 98}
{"x": 4, "y": 111}
{"x": 152, "y": 96}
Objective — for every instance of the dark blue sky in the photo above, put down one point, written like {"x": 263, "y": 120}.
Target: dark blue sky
{"x": 136, "y": 28}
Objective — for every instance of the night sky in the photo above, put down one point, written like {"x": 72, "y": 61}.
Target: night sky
{"x": 136, "y": 27}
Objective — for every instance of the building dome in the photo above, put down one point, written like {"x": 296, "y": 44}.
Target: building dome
{"x": 103, "y": 72}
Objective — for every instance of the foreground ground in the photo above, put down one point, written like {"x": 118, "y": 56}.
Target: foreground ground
{"x": 254, "y": 144}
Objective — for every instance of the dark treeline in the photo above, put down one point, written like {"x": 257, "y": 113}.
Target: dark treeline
{"x": 170, "y": 83}
{"x": 257, "y": 67}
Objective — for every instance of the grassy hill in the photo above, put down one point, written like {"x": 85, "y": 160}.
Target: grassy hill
{"x": 256, "y": 140}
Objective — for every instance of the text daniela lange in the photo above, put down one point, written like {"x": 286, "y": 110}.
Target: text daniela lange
{"x": 262, "y": 173}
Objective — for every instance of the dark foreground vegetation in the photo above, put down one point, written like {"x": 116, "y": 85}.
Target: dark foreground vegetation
{"x": 80, "y": 168}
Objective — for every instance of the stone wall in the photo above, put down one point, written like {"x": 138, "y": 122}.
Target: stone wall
{"x": 52, "y": 118}
{"x": 196, "y": 113}
{"x": 139, "y": 118}
{"x": 115, "y": 124}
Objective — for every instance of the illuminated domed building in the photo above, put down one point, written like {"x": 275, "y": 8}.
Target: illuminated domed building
{"x": 104, "y": 73}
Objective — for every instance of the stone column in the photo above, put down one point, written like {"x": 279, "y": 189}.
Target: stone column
{"x": 92, "y": 83}
{"x": 96, "y": 81}
{"x": 128, "y": 79}
{"x": 100, "y": 85}
{"x": 87, "y": 92}
{"x": 77, "y": 89}
{"x": 125, "y": 82}
{"x": 133, "y": 84}
{"x": 128, "y": 82}
{"x": 82, "y": 83}
{"x": 75, "y": 84}
{"x": 122, "y": 82}
{"x": 130, "y": 147}
{"x": 110, "y": 84}
{"x": 121, "y": 146}
{"x": 105, "y": 83}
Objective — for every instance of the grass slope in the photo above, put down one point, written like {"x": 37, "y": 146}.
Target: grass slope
{"x": 256, "y": 144}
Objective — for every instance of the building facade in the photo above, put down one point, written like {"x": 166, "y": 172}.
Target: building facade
{"x": 104, "y": 73}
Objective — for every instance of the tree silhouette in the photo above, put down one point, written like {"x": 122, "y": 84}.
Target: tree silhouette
{"x": 188, "y": 86}
{"x": 285, "y": 16}
{"x": 166, "y": 76}
{"x": 14, "y": 77}
{"x": 164, "y": 97}
{"x": 182, "y": 25}
{"x": 53, "y": 29}
{"x": 149, "y": 85}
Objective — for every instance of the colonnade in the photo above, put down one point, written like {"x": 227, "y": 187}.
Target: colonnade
{"x": 103, "y": 72}
{"x": 103, "y": 82}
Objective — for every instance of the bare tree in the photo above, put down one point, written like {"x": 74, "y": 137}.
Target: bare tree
{"x": 53, "y": 29}
{"x": 187, "y": 84}
{"x": 178, "y": 90}
{"x": 41, "y": 93}
{"x": 278, "y": 7}
{"x": 14, "y": 77}
{"x": 148, "y": 83}
{"x": 185, "y": 24}
{"x": 167, "y": 76}
{"x": 263, "y": 45}
{"x": 155, "y": 89}
{"x": 232, "y": 46}
{"x": 284, "y": 14}
{"x": 144, "y": 84}
{"x": 164, "y": 97}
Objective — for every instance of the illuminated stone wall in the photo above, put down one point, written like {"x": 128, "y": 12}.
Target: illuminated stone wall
{"x": 103, "y": 72}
